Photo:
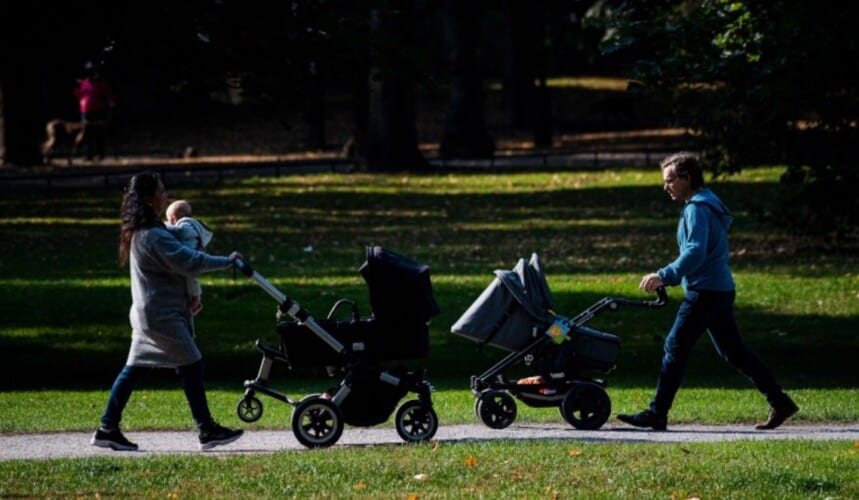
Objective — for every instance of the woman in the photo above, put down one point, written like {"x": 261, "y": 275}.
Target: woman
{"x": 162, "y": 323}
{"x": 96, "y": 103}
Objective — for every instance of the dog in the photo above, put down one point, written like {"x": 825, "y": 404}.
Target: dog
{"x": 77, "y": 132}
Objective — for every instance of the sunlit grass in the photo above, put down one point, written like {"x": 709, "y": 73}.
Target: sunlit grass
{"x": 496, "y": 469}
{"x": 64, "y": 334}
{"x": 596, "y": 232}
{"x": 159, "y": 404}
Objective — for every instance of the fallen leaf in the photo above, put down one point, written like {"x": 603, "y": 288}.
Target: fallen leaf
{"x": 575, "y": 453}
{"x": 360, "y": 485}
{"x": 471, "y": 462}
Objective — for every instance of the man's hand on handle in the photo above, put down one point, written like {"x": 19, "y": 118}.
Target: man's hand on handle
{"x": 650, "y": 282}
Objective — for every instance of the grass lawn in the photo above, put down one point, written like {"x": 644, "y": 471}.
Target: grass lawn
{"x": 64, "y": 335}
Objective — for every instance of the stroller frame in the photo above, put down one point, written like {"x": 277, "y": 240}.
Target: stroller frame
{"x": 581, "y": 399}
{"x": 515, "y": 313}
{"x": 318, "y": 419}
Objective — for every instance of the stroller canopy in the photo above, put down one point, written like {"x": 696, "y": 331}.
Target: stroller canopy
{"x": 512, "y": 310}
{"x": 400, "y": 288}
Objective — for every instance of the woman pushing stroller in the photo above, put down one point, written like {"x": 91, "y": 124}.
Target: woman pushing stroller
{"x": 161, "y": 316}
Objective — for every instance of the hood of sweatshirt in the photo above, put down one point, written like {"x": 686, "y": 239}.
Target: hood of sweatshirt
{"x": 720, "y": 210}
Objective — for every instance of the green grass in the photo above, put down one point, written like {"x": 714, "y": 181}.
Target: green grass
{"x": 64, "y": 335}
{"x": 497, "y": 469}
{"x": 160, "y": 408}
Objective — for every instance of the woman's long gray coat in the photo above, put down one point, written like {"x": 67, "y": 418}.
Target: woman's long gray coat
{"x": 161, "y": 322}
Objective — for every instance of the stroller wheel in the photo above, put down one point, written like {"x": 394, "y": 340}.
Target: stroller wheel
{"x": 416, "y": 421}
{"x": 586, "y": 406}
{"x": 496, "y": 409}
{"x": 311, "y": 396}
{"x": 317, "y": 422}
{"x": 249, "y": 409}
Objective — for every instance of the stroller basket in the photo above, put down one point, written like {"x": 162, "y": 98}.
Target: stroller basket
{"x": 402, "y": 301}
{"x": 588, "y": 349}
{"x": 370, "y": 338}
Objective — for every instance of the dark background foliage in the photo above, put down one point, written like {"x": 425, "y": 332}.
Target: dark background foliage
{"x": 760, "y": 82}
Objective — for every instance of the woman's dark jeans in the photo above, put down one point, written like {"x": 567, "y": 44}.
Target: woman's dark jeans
{"x": 192, "y": 383}
{"x": 713, "y": 312}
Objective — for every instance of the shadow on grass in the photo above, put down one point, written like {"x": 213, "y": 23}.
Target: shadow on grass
{"x": 65, "y": 347}
{"x": 65, "y": 302}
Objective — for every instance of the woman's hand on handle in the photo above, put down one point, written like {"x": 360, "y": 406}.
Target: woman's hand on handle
{"x": 239, "y": 261}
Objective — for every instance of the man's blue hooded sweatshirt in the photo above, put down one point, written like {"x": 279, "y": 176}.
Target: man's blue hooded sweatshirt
{"x": 702, "y": 235}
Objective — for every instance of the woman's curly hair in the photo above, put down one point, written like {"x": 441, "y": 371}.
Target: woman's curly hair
{"x": 136, "y": 212}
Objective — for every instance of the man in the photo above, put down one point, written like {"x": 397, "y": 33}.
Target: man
{"x": 702, "y": 269}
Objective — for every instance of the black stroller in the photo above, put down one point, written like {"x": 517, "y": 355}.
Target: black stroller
{"x": 515, "y": 314}
{"x": 402, "y": 301}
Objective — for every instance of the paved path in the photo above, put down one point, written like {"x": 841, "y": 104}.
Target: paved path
{"x": 76, "y": 444}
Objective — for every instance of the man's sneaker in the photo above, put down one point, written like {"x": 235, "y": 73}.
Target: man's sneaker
{"x": 217, "y": 435}
{"x": 112, "y": 439}
{"x": 645, "y": 419}
{"x": 778, "y": 415}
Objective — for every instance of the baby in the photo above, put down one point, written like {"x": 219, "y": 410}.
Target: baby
{"x": 193, "y": 233}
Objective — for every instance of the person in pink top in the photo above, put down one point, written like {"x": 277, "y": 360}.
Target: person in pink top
{"x": 96, "y": 102}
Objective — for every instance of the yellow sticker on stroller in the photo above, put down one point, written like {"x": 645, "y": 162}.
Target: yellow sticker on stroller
{"x": 559, "y": 330}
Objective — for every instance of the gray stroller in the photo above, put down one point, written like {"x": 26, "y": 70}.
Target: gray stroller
{"x": 515, "y": 313}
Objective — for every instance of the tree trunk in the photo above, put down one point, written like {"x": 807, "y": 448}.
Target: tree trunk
{"x": 392, "y": 143}
{"x": 2, "y": 129}
{"x": 528, "y": 105}
{"x": 315, "y": 107}
{"x": 21, "y": 121}
{"x": 391, "y": 140}
{"x": 356, "y": 144}
{"x": 465, "y": 132}
{"x": 543, "y": 115}
{"x": 35, "y": 40}
{"x": 521, "y": 68}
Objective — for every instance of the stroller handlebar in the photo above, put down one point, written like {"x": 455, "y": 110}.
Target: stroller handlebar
{"x": 662, "y": 297}
{"x": 661, "y": 300}
{"x": 244, "y": 267}
{"x": 614, "y": 303}
{"x": 288, "y": 306}
{"x": 248, "y": 271}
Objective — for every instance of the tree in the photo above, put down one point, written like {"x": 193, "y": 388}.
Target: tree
{"x": 764, "y": 81}
{"x": 32, "y": 39}
{"x": 21, "y": 125}
{"x": 391, "y": 141}
{"x": 465, "y": 132}
{"x": 526, "y": 92}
